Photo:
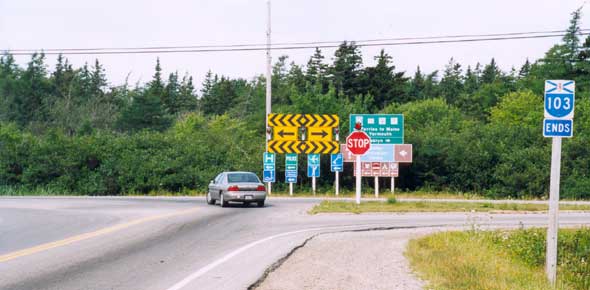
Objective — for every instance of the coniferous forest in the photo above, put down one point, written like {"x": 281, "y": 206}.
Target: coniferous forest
{"x": 65, "y": 130}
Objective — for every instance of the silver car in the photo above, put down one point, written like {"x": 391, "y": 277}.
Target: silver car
{"x": 244, "y": 187}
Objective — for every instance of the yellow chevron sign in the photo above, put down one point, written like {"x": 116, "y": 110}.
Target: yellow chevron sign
{"x": 303, "y": 120}
{"x": 285, "y": 133}
{"x": 318, "y": 130}
{"x": 303, "y": 147}
{"x": 320, "y": 134}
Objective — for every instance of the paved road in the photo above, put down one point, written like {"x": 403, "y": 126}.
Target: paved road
{"x": 177, "y": 243}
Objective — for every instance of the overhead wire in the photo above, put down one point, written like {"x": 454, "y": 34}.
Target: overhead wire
{"x": 300, "y": 45}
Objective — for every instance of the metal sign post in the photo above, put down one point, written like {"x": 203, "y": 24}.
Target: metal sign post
{"x": 336, "y": 165}
{"x": 313, "y": 169}
{"x": 358, "y": 143}
{"x": 291, "y": 170}
{"x": 392, "y": 185}
{"x": 376, "y": 186}
{"x": 358, "y": 179}
{"x": 268, "y": 174}
{"x": 558, "y": 123}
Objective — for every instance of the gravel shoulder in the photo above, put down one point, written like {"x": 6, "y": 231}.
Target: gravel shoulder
{"x": 371, "y": 260}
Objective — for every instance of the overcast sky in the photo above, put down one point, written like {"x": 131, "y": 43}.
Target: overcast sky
{"x": 26, "y": 24}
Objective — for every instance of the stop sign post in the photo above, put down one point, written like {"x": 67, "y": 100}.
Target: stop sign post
{"x": 358, "y": 143}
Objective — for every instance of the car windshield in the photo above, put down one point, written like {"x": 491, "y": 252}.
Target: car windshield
{"x": 242, "y": 177}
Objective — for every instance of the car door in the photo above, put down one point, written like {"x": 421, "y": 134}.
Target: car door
{"x": 220, "y": 184}
{"x": 214, "y": 187}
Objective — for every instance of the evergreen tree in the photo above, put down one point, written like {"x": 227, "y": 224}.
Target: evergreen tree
{"x": 98, "y": 81}
{"x": 346, "y": 69}
{"x": 187, "y": 100}
{"x": 31, "y": 104}
{"x": 170, "y": 95}
{"x": 316, "y": 69}
{"x": 471, "y": 83}
{"x": 381, "y": 82}
{"x": 525, "y": 69}
{"x": 156, "y": 86}
{"x": 451, "y": 84}
{"x": 145, "y": 112}
{"x": 490, "y": 72}
{"x": 416, "y": 87}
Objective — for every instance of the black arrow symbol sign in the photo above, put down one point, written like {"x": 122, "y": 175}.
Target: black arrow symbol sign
{"x": 282, "y": 133}
{"x": 323, "y": 134}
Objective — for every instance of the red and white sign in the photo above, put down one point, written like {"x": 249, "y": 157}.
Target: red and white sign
{"x": 387, "y": 169}
{"x": 376, "y": 166}
{"x": 402, "y": 153}
{"x": 346, "y": 154}
{"x": 358, "y": 142}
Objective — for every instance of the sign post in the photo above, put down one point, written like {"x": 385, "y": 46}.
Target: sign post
{"x": 558, "y": 123}
{"x": 313, "y": 168}
{"x": 291, "y": 170}
{"x": 336, "y": 166}
{"x": 268, "y": 175}
{"x": 358, "y": 143}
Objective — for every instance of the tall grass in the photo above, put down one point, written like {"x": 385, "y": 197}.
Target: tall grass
{"x": 500, "y": 259}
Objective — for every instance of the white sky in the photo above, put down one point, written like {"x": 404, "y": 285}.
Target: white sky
{"x": 26, "y": 24}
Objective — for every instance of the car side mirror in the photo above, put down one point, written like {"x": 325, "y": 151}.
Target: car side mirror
{"x": 211, "y": 182}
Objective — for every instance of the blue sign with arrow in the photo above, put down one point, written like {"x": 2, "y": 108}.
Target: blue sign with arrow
{"x": 336, "y": 162}
{"x": 313, "y": 165}
{"x": 268, "y": 163}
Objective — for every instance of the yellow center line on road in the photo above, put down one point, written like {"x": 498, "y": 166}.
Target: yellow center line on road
{"x": 78, "y": 238}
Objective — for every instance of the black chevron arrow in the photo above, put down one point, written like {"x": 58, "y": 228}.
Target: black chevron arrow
{"x": 292, "y": 120}
{"x": 272, "y": 120}
{"x": 323, "y": 134}
{"x": 282, "y": 120}
{"x": 292, "y": 147}
{"x": 282, "y": 133}
{"x": 334, "y": 120}
{"x": 312, "y": 118}
{"x": 322, "y": 120}
{"x": 271, "y": 147}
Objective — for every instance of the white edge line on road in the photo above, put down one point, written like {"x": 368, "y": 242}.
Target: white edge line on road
{"x": 238, "y": 251}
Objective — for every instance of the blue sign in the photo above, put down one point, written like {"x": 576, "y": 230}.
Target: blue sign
{"x": 268, "y": 161}
{"x": 336, "y": 162}
{"x": 559, "y": 99}
{"x": 379, "y": 153}
{"x": 268, "y": 176}
{"x": 558, "y": 128}
{"x": 291, "y": 176}
{"x": 313, "y": 165}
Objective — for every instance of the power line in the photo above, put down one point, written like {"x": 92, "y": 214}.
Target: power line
{"x": 289, "y": 47}
{"x": 221, "y": 46}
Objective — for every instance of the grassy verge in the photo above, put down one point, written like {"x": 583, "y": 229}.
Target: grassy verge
{"x": 423, "y": 206}
{"x": 500, "y": 260}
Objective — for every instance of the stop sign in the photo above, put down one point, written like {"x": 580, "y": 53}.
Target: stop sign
{"x": 358, "y": 142}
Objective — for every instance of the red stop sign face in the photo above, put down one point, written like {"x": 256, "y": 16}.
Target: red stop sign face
{"x": 358, "y": 142}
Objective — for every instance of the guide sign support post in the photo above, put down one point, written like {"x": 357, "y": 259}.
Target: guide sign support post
{"x": 313, "y": 168}
{"x": 358, "y": 142}
{"x": 558, "y": 123}
{"x": 291, "y": 170}
{"x": 336, "y": 166}
{"x": 268, "y": 174}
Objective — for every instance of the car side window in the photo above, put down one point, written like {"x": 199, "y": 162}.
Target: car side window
{"x": 217, "y": 179}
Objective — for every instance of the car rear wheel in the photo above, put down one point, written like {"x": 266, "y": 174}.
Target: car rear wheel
{"x": 210, "y": 199}
{"x": 222, "y": 201}
{"x": 261, "y": 203}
